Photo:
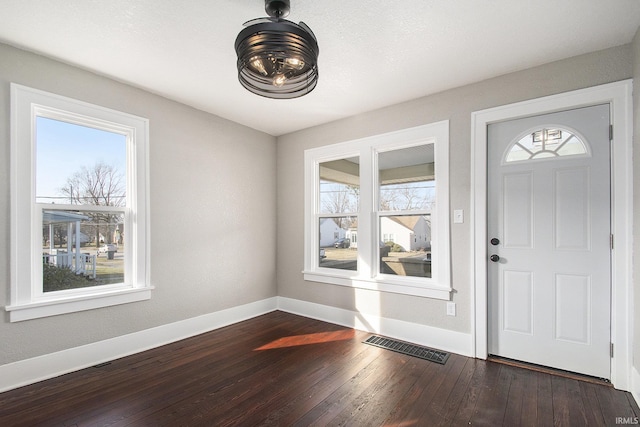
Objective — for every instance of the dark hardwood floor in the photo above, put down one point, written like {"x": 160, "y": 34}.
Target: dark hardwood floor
{"x": 282, "y": 369}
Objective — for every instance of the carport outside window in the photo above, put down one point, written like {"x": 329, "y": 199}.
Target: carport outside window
{"x": 85, "y": 168}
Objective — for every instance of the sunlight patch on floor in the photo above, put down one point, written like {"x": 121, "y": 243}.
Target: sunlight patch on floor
{"x": 307, "y": 339}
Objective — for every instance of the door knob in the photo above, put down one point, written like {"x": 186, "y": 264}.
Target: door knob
{"x": 494, "y": 258}
{"x": 495, "y": 242}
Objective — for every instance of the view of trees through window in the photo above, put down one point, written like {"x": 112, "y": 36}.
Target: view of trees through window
{"x": 405, "y": 200}
{"x": 339, "y": 196}
{"x": 81, "y": 186}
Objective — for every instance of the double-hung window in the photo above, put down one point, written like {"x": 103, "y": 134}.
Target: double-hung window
{"x": 376, "y": 213}
{"x": 79, "y": 206}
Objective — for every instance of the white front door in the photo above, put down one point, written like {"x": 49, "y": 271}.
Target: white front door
{"x": 549, "y": 234}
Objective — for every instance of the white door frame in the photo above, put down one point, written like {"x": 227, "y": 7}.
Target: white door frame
{"x": 619, "y": 96}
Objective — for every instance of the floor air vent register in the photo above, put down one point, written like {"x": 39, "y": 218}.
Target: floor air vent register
{"x": 421, "y": 352}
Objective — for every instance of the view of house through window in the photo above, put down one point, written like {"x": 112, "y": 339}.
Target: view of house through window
{"x": 338, "y": 223}
{"x": 82, "y": 168}
{"x": 377, "y": 212}
{"x": 406, "y": 199}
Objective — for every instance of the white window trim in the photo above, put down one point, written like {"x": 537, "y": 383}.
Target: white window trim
{"x": 367, "y": 277}
{"x": 27, "y": 300}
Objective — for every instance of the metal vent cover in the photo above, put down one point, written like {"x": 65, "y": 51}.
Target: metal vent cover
{"x": 414, "y": 350}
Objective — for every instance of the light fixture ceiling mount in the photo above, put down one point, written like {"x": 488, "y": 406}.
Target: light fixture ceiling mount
{"x": 277, "y": 58}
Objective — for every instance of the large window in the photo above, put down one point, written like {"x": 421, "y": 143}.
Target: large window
{"x": 79, "y": 206}
{"x": 377, "y": 212}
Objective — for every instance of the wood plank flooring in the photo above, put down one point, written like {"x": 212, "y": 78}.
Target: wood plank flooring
{"x": 285, "y": 370}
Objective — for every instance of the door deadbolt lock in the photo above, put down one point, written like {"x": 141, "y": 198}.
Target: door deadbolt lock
{"x": 494, "y": 258}
{"x": 495, "y": 242}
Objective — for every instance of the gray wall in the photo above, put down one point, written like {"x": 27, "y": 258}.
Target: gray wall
{"x": 455, "y": 105}
{"x": 212, "y": 212}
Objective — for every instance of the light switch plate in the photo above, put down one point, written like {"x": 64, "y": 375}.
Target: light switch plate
{"x": 451, "y": 309}
{"x": 458, "y": 216}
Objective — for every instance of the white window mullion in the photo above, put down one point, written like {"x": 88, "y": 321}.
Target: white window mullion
{"x": 366, "y": 248}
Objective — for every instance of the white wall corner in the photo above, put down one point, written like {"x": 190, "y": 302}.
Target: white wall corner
{"x": 29, "y": 371}
{"x": 635, "y": 384}
{"x": 442, "y": 339}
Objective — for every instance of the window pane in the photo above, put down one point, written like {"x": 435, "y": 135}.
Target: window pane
{"x": 79, "y": 165}
{"x": 407, "y": 179}
{"x": 339, "y": 243}
{"x": 339, "y": 186}
{"x": 546, "y": 143}
{"x": 82, "y": 249}
{"x": 405, "y": 249}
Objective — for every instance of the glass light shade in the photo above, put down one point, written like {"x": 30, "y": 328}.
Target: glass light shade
{"x": 277, "y": 59}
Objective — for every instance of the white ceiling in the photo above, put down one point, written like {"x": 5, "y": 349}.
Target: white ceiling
{"x": 373, "y": 53}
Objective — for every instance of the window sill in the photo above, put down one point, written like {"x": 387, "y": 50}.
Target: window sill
{"x": 382, "y": 284}
{"x": 35, "y": 310}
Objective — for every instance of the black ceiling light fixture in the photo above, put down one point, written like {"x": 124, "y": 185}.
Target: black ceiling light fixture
{"x": 277, "y": 58}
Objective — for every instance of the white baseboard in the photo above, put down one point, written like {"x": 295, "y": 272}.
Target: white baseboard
{"x": 442, "y": 339}
{"x": 29, "y": 371}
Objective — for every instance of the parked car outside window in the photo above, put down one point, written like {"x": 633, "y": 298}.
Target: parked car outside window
{"x": 342, "y": 243}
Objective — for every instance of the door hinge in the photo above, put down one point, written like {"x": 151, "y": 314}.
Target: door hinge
{"x": 611, "y": 349}
{"x": 611, "y": 240}
{"x": 610, "y": 132}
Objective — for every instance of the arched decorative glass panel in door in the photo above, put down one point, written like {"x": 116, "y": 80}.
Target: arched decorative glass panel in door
{"x": 546, "y": 143}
